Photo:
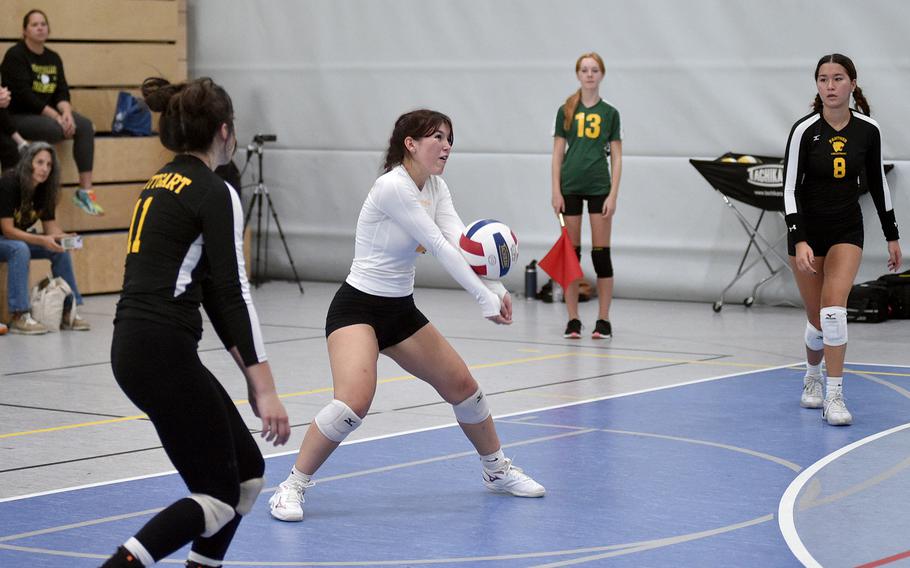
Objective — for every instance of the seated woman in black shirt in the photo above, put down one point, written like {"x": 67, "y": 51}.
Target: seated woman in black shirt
{"x": 28, "y": 194}
{"x": 40, "y": 107}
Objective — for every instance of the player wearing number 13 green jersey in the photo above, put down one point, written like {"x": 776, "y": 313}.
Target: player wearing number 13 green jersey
{"x": 586, "y": 167}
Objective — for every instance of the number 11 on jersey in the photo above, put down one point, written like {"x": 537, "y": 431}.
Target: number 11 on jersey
{"x": 133, "y": 241}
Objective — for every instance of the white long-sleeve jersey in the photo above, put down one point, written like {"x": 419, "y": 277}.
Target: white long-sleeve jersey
{"x": 396, "y": 219}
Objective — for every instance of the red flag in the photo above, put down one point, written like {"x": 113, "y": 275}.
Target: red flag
{"x": 561, "y": 263}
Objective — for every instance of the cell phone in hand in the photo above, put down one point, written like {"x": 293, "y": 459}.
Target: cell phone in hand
{"x": 71, "y": 242}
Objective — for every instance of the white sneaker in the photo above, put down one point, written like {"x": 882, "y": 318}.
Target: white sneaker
{"x": 512, "y": 480}
{"x": 287, "y": 502}
{"x": 813, "y": 392}
{"x": 835, "y": 411}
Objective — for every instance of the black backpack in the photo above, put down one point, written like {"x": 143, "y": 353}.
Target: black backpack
{"x": 898, "y": 286}
{"x": 868, "y": 302}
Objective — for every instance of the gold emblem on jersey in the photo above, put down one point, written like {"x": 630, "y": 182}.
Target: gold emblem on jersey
{"x": 837, "y": 144}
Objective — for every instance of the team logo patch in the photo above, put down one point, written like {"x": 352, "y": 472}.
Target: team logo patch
{"x": 838, "y": 143}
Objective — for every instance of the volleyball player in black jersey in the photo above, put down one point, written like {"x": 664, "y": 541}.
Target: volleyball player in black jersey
{"x": 184, "y": 249}
{"x": 826, "y": 152}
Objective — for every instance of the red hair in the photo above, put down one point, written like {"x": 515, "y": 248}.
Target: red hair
{"x": 572, "y": 102}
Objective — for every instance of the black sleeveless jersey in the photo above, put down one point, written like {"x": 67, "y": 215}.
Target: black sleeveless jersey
{"x": 821, "y": 172}
{"x": 185, "y": 249}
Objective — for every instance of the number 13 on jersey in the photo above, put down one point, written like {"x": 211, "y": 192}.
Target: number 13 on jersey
{"x": 588, "y": 125}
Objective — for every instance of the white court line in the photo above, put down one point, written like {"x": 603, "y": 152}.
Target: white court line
{"x": 448, "y": 425}
{"x": 521, "y": 413}
{"x": 419, "y": 430}
{"x": 786, "y": 510}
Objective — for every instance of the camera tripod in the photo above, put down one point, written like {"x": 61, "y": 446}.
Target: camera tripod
{"x": 261, "y": 191}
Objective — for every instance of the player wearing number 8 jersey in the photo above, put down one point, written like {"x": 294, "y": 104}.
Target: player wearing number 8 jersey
{"x": 185, "y": 250}
{"x": 587, "y": 164}
{"x": 826, "y": 153}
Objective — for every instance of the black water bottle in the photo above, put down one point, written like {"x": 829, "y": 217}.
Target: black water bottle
{"x": 531, "y": 280}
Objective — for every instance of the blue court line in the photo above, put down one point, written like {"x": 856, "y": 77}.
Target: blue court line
{"x": 675, "y": 476}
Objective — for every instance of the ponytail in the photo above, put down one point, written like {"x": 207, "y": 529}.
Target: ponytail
{"x": 191, "y": 112}
{"x": 569, "y": 109}
{"x": 861, "y": 103}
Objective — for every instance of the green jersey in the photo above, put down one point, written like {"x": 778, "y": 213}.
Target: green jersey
{"x": 586, "y": 165}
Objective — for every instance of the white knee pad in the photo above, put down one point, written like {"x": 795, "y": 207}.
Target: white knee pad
{"x": 814, "y": 338}
{"x": 472, "y": 410}
{"x": 336, "y": 420}
{"x": 217, "y": 513}
{"x": 834, "y": 325}
{"x": 249, "y": 491}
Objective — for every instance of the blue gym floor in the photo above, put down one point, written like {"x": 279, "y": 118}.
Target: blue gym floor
{"x": 689, "y": 475}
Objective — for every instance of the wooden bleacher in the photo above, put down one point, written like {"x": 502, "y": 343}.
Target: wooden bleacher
{"x": 107, "y": 46}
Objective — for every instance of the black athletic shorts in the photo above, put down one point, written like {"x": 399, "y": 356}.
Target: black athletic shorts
{"x": 822, "y": 235}
{"x": 575, "y": 203}
{"x": 392, "y": 319}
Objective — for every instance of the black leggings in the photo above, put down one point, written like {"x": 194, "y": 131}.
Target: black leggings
{"x": 158, "y": 368}
{"x": 39, "y": 127}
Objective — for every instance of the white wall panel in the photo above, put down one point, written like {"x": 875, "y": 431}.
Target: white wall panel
{"x": 691, "y": 79}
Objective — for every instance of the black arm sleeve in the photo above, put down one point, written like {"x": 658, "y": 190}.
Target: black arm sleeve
{"x": 227, "y": 299}
{"x": 878, "y": 187}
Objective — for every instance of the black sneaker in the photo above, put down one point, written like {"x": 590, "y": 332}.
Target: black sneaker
{"x": 602, "y": 330}
{"x": 573, "y": 329}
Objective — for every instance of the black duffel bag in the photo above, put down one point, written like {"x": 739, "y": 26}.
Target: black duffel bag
{"x": 868, "y": 302}
{"x": 898, "y": 293}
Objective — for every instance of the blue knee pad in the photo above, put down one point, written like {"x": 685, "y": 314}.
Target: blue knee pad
{"x": 603, "y": 266}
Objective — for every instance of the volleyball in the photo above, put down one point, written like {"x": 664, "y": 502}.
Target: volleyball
{"x": 490, "y": 247}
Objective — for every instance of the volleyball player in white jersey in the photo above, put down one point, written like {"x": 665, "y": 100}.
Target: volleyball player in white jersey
{"x": 408, "y": 210}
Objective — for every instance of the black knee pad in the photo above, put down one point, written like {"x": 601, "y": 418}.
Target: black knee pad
{"x": 578, "y": 253}
{"x": 603, "y": 266}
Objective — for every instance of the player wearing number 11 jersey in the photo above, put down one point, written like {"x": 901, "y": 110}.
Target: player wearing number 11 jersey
{"x": 184, "y": 250}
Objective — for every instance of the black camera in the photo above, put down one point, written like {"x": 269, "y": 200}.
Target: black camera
{"x": 260, "y": 138}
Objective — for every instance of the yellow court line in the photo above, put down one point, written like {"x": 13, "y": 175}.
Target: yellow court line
{"x": 404, "y": 378}
{"x": 286, "y": 395}
{"x": 70, "y": 426}
{"x": 665, "y": 360}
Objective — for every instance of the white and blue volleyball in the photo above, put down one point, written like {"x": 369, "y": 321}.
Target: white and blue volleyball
{"x": 490, "y": 247}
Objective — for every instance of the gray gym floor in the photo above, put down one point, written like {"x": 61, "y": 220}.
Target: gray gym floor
{"x": 64, "y": 422}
